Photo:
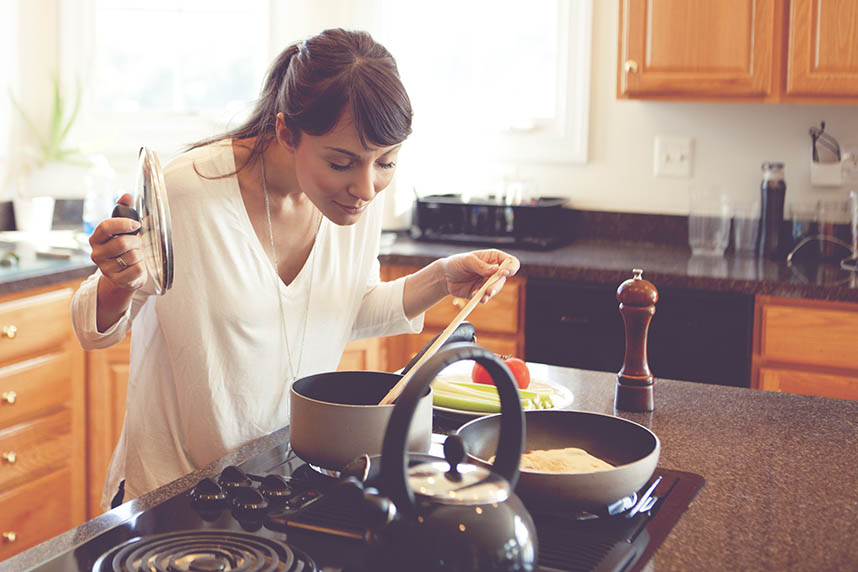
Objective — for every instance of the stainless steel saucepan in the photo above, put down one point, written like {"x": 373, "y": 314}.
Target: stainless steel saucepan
{"x": 335, "y": 416}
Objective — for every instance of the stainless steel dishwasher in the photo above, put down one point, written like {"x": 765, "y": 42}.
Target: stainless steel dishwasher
{"x": 694, "y": 335}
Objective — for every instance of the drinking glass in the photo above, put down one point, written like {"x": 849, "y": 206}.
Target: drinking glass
{"x": 746, "y": 224}
{"x": 708, "y": 222}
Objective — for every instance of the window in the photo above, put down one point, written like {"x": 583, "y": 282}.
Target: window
{"x": 495, "y": 84}
{"x": 8, "y": 67}
{"x": 164, "y": 73}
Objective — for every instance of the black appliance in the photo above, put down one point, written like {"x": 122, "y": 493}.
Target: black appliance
{"x": 536, "y": 224}
{"x": 274, "y": 512}
{"x": 693, "y": 336}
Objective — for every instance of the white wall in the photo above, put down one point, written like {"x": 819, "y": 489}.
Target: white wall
{"x": 731, "y": 140}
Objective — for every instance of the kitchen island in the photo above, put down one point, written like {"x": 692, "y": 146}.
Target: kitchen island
{"x": 781, "y": 473}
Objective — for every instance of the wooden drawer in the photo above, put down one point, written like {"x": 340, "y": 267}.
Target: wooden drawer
{"x": 810, "y": 335}
{"x": 34, "y": 387}
{"x": 30, "y": 326}
{"x": 809, "y": 383}
{"x": 35, "y": 512}
{"x": 500, "y": 315}
{"x": 30, "y": 450}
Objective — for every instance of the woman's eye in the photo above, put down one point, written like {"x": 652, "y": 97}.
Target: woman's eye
{"x": 338, "y": 167}
{"x": 389, "y": 165}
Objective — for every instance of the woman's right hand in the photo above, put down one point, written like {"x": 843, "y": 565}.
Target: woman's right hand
{"x": 119, "y": 256}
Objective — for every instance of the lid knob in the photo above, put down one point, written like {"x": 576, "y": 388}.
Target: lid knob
{"x": 454, "y": 453}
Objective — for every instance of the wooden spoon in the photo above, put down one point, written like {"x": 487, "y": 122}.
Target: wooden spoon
{"x": 442, "y": 337}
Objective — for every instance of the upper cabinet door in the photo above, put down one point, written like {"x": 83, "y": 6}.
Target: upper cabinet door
{"x": 823, "y": 48}
{"x": 705, "y": 48}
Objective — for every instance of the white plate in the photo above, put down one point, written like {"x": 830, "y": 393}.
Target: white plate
{"x": 561, "y": 396}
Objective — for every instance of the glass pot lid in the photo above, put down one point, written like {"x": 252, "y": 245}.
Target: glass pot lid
{"x": 154, "y": 216}
{"x": 460, "y": 484}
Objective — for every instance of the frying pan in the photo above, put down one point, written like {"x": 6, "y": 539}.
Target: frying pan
{"x": 335, "y": 416}
{"x": 631, "y": 448}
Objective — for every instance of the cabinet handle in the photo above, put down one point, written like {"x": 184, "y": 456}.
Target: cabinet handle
{"x": 10, "y": 331}
{"x": 631, "y": 66}
{"x": 9, "y": 397}
{"x": 9, "y": 456}
{"x": 9, "y": 536}
{"x": 459, "y": 302}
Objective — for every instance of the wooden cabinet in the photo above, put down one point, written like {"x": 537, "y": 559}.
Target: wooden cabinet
{"x": 696, "y": 47}
{"x": 805, "y": 346}
{"x": 499, "y": 324}
{"x": 802, "y": 51}
{"x": 107, "y": 387}
{"x": 42, "y": 427}
{"x": 823, "y": 48}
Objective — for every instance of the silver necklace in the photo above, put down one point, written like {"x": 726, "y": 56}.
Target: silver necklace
{"x": 292, "y": 372}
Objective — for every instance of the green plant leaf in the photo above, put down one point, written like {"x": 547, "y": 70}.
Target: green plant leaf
{"x": 30, "y": 123}
{"x": 73, "y": 116}
{"x": 54, "y": 139}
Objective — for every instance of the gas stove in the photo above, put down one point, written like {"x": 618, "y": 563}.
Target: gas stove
{"x": 274, "y": 512}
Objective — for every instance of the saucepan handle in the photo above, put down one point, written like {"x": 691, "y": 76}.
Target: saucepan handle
{"x": 463, "y": 333}
{"x": 394, "y": 461}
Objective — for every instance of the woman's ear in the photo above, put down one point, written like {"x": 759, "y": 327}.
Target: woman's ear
{"x": 284, "y": 134}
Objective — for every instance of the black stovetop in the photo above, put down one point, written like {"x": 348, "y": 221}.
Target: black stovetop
{"x": 318, "y": 530}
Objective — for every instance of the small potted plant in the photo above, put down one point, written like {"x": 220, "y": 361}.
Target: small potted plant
{"x": 53, "y": 168}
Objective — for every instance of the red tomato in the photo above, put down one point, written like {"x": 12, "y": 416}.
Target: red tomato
{"x": 516, "y": 366}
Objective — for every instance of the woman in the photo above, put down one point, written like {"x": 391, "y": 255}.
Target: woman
{"x": 276, "y": 236}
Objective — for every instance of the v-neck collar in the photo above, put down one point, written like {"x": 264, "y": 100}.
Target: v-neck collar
{"x": 257, "y": 244}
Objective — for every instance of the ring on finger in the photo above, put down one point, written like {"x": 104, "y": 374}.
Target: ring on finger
{"x": 122, "y": 264}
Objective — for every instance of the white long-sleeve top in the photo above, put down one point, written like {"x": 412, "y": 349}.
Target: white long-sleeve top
{"x": 209, "y": 368}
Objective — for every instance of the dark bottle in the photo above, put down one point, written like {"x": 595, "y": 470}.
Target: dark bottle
{"x": 772, "y": 194}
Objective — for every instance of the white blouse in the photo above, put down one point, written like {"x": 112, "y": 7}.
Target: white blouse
{"x": 209, "y": 370}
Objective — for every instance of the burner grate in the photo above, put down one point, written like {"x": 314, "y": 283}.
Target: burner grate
{"x": 203, "y": 551}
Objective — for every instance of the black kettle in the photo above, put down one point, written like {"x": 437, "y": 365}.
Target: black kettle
{"x": 435, "y": 514}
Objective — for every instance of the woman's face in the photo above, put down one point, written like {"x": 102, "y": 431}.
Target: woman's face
{"x": 338, "y": 174}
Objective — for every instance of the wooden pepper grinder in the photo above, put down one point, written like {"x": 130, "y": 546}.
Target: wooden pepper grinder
{"x": 637, "y": 298}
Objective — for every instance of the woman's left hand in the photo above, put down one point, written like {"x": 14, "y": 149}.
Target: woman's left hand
{"x": 465, "y": 273}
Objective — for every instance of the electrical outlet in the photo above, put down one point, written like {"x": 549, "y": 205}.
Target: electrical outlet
{"x": 672, "y": 156}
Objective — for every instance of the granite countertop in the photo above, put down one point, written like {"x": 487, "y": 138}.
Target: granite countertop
{"x": 780, "y": 472}
{"x": 35, "y": 268}
{"x": 585, "y": 260}
{"x": 666, "y": 265}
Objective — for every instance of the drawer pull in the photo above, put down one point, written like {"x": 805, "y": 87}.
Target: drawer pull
{"x": 10, "y": 331}
{"x": 9, "y": 536}
{"x": 459, "y": 302}
{"x": 9, "y": 456}
{"x": 9, "y": 397}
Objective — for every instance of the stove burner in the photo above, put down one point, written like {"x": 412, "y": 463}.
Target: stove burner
{"x": 204, "y": 551}
{"x": 232, "y": 477}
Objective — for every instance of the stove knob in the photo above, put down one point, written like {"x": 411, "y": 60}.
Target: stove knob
{"x": 275, "y": 489}
{"x": 232, "y": 477}
{"x": 208, "y": 491}
{"x": 248, "y": 499}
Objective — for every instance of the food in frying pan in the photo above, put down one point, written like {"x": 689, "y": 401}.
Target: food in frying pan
{"x": 568, "y": 460}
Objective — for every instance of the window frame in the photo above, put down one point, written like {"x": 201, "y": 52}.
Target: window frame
{"x": 565, "y": 139}
{"x": 166, "y": 131}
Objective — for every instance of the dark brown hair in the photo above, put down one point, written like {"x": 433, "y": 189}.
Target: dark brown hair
{"x": 311, "y": 82}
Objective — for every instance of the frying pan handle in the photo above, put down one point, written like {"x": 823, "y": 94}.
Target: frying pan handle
{"x": 463, "y": 333}
{"x": 394, "y": 461}
{"x": 125, "y": 211}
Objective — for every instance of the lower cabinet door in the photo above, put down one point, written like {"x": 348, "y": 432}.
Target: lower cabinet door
{"x": 35, "y": 512}
{"x": 809, "y": 383}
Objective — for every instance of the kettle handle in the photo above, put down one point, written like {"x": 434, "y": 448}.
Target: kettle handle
{"x": 394, "y": 465}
